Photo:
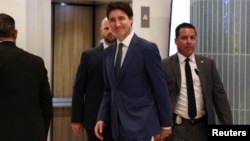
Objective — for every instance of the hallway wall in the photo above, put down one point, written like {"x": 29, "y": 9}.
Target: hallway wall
{"x": 159, "y": 22}
{"x": 33, "y": 21}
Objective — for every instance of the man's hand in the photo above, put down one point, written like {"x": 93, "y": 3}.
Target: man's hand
{"x": 164, "y": 133}
{"x": 77, "y": 128}
{"x": 99, "y": 129}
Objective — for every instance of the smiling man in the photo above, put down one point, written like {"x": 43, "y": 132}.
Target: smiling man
{"x": 136, "y": 100}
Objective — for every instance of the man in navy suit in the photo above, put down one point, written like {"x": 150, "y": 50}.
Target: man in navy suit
{"x": 25, "y": 96}
{"x": 208, "y": 89}
{"x": 136, "y": 101}
{"x": 89, "y": 87}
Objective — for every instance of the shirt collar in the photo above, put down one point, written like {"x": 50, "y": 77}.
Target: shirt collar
{"x": 127, "y": 40}
{"x": 6, "y": 40}
{"x": 182, "y": 58}
{"x": 105, "y": 45}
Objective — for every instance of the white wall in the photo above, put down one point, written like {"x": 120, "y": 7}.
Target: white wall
{"x": 33, "y": 22}
{"x": 158, "y": 31}
{"x": 38, "y": 29}
{"x": 16, "y": 9}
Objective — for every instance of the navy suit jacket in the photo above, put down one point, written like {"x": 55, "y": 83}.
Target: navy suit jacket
{"x": 25, "y": 96}
{"x": 140, "y": 96}
{"x": 88, "y": 88}
{"x": 212, "y": 88}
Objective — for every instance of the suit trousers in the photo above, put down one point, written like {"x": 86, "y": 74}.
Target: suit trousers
{"x": 123, "y": 137}
{"x": 106, "y": 135}
{"x": 188, "y": 131}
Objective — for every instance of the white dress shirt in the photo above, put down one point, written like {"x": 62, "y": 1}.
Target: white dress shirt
{"x": 126, "y": 43}
{"x": 182, "y": 102}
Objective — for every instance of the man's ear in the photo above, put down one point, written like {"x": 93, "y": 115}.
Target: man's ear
{"x": 15, "y": 34}
{"x": 132, "y": 20}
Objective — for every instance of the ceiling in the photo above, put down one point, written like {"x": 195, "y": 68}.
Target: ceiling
{"x": 87, "y": 1}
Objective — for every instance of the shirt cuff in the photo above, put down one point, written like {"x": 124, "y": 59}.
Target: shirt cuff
{"x": 165, "y": 127}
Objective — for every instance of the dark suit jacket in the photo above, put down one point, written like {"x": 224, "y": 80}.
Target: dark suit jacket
{"x": 88, "y": 88}
{"x": 140, "y": 96}
{"x": 25, "y": 96}
{"x": 212, "y": 88}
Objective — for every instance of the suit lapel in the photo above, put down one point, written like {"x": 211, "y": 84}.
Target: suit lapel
{"x": 112, "y": 61}
{"x": 100, "y": 57}
{"x": 132, "y": 49}
{"x": 200, "y": 62}
{"x": 176, "y": 67}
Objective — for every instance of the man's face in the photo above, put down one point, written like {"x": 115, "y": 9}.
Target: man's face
{"x": 106, "y": 32}
{"x": 186, "y": 41}
{"x": 120, "y": 24}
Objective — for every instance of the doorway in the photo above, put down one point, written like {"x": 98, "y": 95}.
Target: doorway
{"x": 75, "y": 29}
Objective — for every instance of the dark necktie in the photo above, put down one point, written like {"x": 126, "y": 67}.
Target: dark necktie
{"x": 118, "y": 60}
{"x": 190, "y": 90}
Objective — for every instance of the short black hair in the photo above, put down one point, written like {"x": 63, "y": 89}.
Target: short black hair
{"x": 183, "y": 25}
{"x": 7, "y": 25}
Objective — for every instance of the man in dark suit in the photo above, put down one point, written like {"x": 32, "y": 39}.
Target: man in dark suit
{"x": 208, "y": 89}
{"x": 89, "y": 87}
{"x": 136, "y": 100}
{"x": 25, "y": 96}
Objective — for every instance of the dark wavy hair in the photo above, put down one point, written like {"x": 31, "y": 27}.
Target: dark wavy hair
{"x": 120, "y": 5}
